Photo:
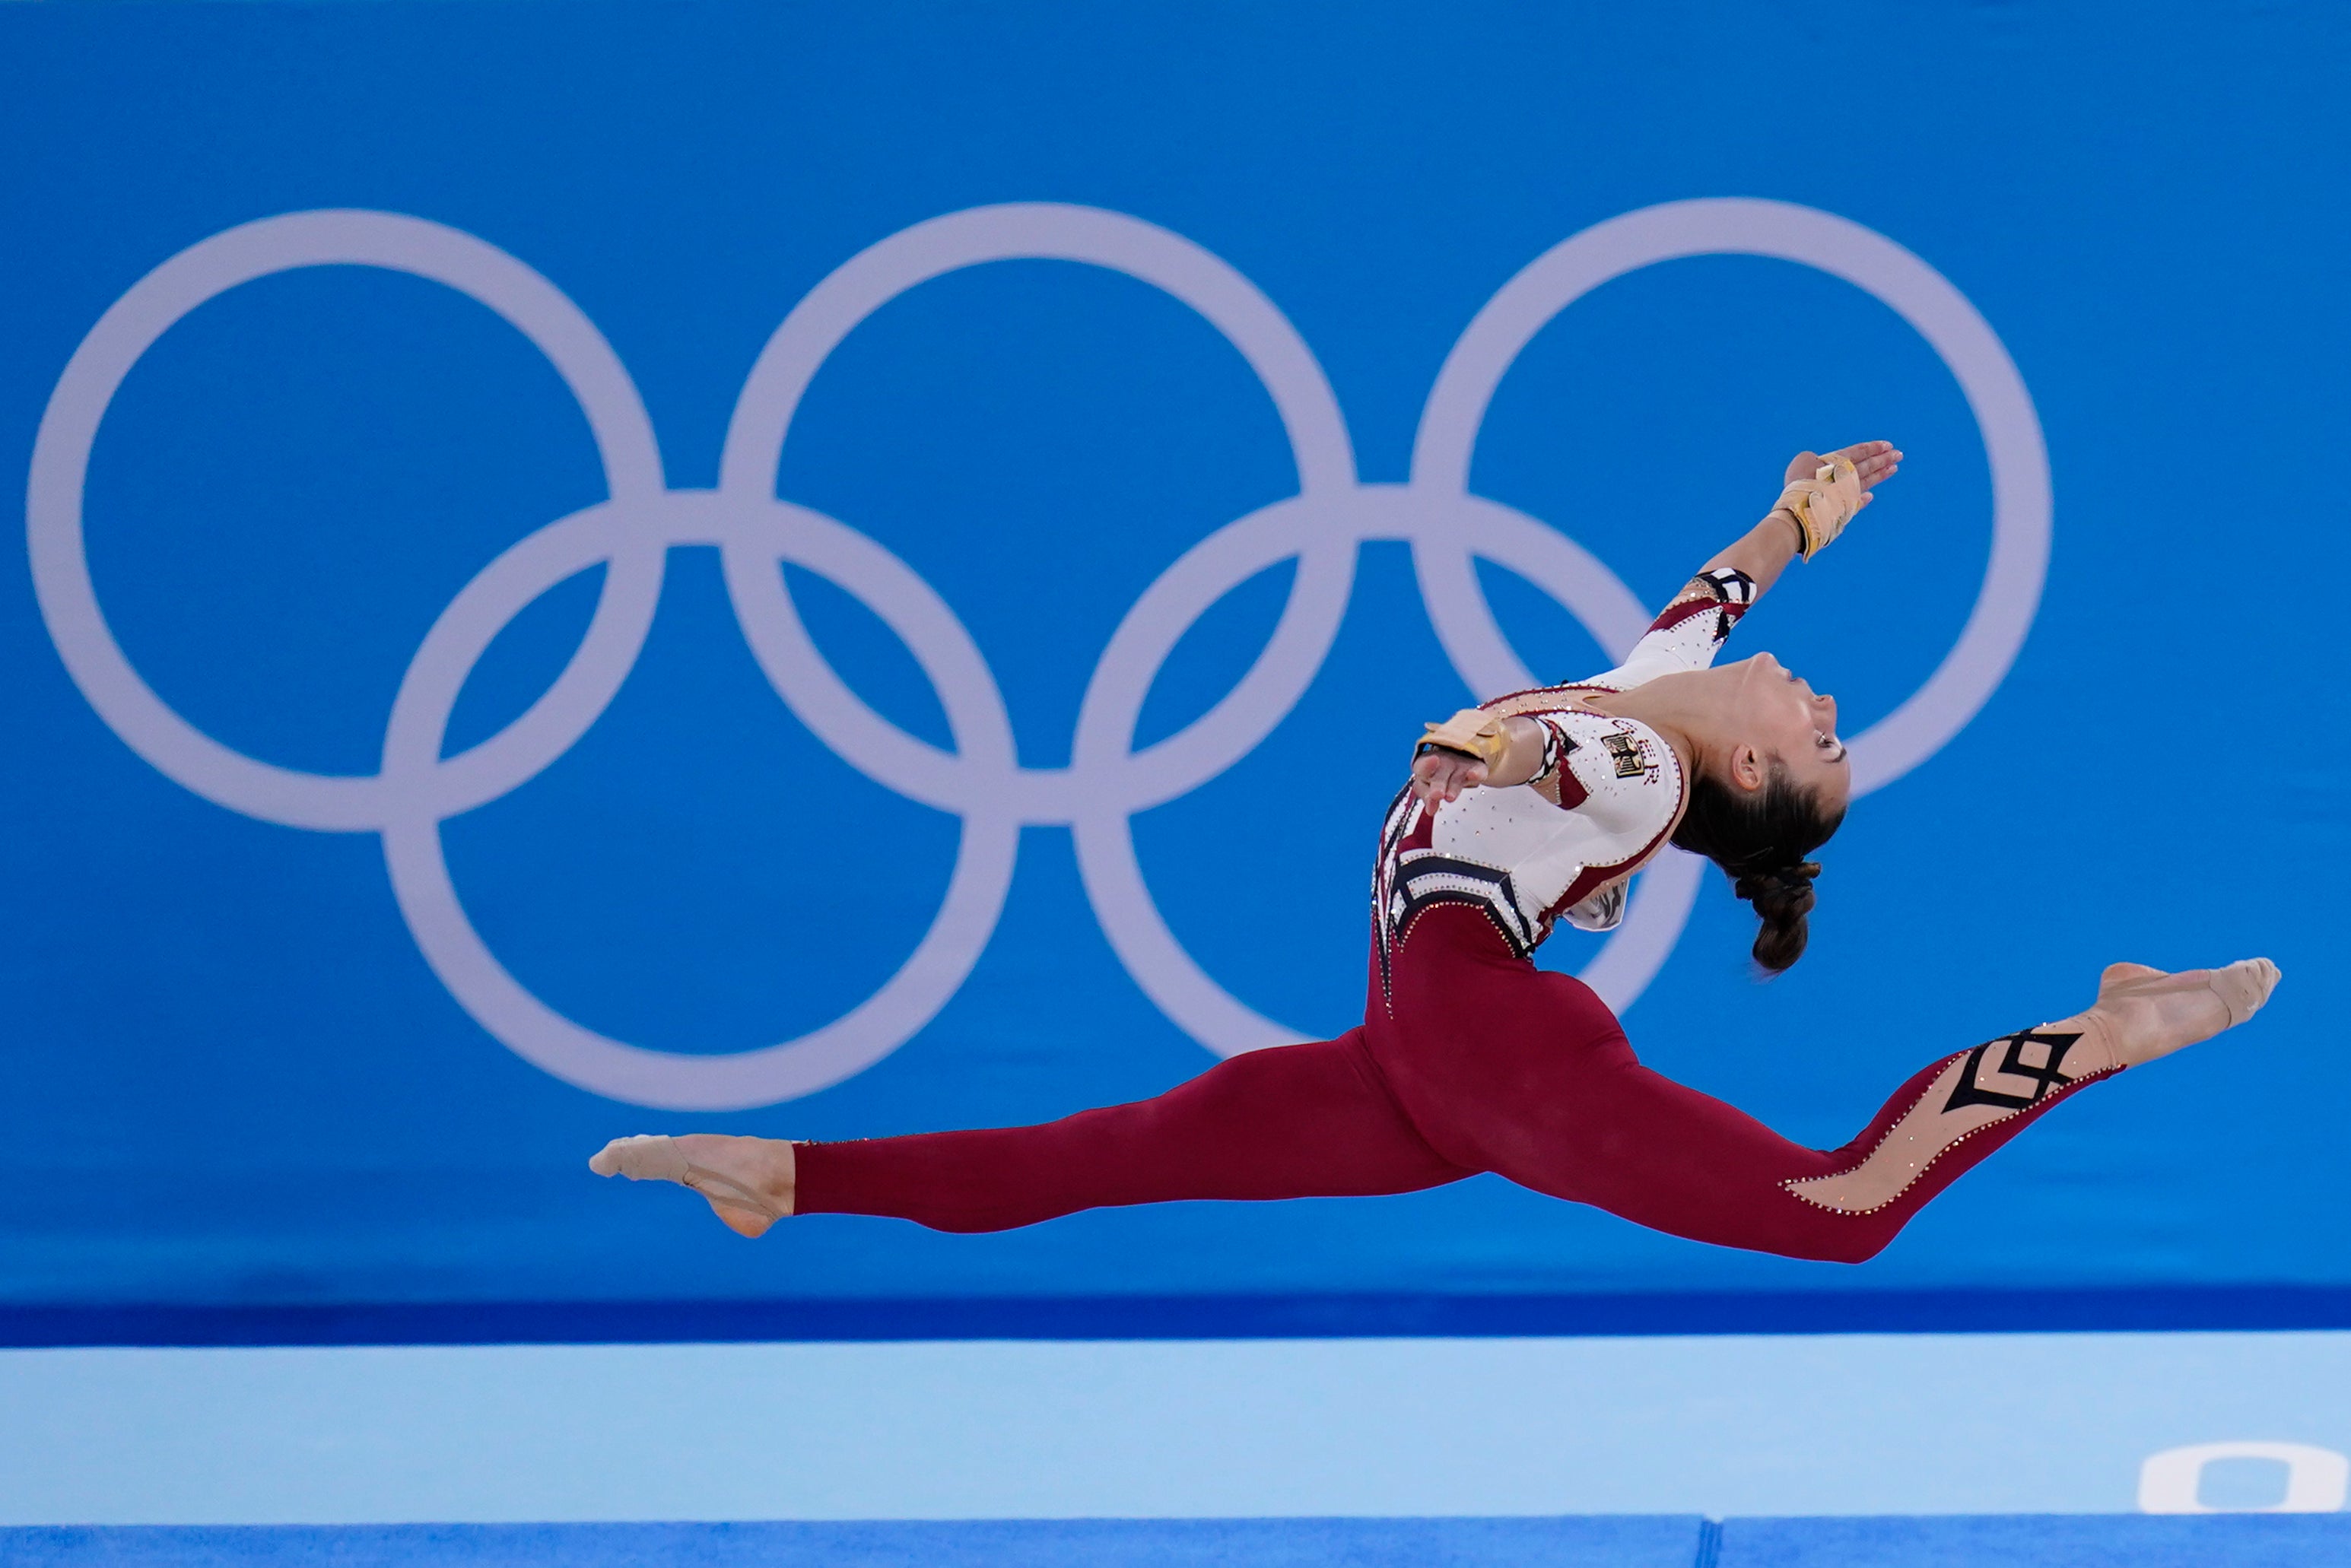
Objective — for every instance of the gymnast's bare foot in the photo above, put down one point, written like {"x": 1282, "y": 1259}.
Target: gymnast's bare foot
{"x": 748, "y": 1181}
{"x": 2149, "y": 1013}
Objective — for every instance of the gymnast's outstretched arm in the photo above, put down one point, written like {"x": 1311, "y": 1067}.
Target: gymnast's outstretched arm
{"x": 1811, "y": 511}
{"x": 1765, "y": 549}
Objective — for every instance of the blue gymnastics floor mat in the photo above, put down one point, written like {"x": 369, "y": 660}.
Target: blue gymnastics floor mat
{"x": 2042, "y": 1540}
{"x": 1583, "y": 1542}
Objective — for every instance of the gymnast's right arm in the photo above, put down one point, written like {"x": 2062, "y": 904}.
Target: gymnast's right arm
{"x": 1818, "y": 498}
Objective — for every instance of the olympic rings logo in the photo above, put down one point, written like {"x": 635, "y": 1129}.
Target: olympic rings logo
{"x": 981, "y": 780}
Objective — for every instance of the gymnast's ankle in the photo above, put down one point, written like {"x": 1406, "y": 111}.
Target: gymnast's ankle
{"x": 750, "y": 1183}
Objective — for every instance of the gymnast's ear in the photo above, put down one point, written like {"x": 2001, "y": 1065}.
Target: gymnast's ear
{"x": 1747, "y": 768}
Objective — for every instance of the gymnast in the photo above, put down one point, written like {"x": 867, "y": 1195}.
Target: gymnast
{"x": 1524, "y": 810}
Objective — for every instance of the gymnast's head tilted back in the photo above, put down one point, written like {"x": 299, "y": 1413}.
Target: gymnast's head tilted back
{"x": 1770, "y": 786}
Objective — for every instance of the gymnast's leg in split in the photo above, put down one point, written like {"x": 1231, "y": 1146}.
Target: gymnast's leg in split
{"x": 1562, "y": 1107}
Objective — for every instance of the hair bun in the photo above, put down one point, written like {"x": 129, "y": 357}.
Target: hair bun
{"x": 1760, "y": 838}
{"x": 1782, "y": 894}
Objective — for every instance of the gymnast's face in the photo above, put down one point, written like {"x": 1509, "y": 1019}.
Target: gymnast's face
{"x": 1781, "y": 715}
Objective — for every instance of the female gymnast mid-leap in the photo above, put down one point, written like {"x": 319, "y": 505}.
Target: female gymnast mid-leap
{"x": 1470, "y": 1059}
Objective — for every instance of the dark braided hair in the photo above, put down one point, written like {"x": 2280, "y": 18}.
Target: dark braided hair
{"x": 1760, "y": 837}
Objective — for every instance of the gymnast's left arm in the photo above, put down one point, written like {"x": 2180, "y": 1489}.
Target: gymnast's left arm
{"x": 1821, "y": 494}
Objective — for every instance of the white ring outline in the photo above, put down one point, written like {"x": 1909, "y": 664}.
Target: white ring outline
{"x": 68, "y": 429}
{"x": 1924, "y": 299}
{"x": 681, "y": 1081}
{"x": 981, "y": 780}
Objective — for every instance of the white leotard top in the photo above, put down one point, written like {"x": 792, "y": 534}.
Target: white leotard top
{"x": 1566, "y": 842}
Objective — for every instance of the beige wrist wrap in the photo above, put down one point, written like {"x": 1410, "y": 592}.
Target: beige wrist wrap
{"x": 1823, "y": 504}
{"x": 1473, "y": 732}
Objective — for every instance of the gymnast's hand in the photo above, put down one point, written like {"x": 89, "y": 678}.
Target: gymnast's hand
{"x": 1875, "y": 460}
{"x": 1442, "y": 775}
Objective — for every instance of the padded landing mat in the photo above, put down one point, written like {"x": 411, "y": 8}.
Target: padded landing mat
{"x": 2023, "y": 1540}
{"x": 1602, "y": 1543}
{"x": 2043, "y": 1541}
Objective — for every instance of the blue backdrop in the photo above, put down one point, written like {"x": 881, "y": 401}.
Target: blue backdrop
{"x": 261, "y": 1047}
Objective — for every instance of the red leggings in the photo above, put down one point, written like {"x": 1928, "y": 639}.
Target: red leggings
{"x": 1482, "y": 1063}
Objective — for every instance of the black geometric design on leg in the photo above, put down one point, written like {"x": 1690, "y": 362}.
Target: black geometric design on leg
{"x": 2046, "y": 1074}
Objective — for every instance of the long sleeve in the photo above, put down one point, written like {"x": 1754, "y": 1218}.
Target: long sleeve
{"x": 1689, "y": 632}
